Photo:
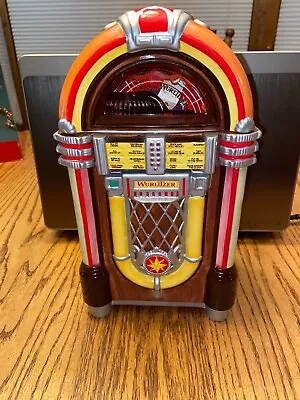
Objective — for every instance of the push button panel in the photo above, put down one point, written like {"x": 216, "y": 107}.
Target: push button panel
{"x": 155, "y": 155}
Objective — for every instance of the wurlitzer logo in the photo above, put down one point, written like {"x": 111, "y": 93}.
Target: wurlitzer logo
{"x": 170, "y": 92}
{"x": 156, "y": 184}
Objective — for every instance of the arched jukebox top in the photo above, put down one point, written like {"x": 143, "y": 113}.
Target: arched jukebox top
{"x": 166, "y": 64}
{"x": 149, "y": 111}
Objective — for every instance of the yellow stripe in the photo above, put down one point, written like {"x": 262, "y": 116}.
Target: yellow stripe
{"x": 185, "y": 48}
{"x": 88, "y": 79}
{"x": 220, "y": 75}
{"x": 193, "y": 244}
{"x": 78, "y": 215}
{"x": 118, "y": 225}
{"x": 194, "y": 227}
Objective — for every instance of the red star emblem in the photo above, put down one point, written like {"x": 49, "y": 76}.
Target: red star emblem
{"x": 156, "y": 264}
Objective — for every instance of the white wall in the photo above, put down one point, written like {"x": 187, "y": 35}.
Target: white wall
{"x": 288, "y": 31}
{"x": 66, "y": 26}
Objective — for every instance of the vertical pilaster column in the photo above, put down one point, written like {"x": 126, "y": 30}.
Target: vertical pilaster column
{"x": 236, "y": 154}
{"x": 77, "y": 154}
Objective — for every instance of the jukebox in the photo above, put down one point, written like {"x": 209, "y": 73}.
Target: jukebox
{"x": 156, "y": 131}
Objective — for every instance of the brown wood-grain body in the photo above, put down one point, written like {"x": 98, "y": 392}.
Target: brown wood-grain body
{"x": 191, "y": 291}
{"x": 52, "y": 349}
{"x": 93, "y": 118}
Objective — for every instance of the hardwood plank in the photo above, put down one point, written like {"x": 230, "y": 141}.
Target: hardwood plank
{"x": 51, "y": 349}
{"x": 264, "y": 21}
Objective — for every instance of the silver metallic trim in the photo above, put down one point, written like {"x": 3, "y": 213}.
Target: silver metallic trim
{"x": 124, "y": 258}
{"x": 74, "y": 164}
{"x": 141, "y": 239}
{"x": 112, "y": 189}
{"x": 216, "y": 315}
{"x": 66, "y": 126}
{"x": 156, "y": 283}
{"x": 245, "y": 125}
{"x": 239, "y": 151}
{"x": 157, "y": 303}
{"x": 155, "y": 154}
{"x": 241, "y": 137}
{"x": 199, "y": 183}
{"x": 74, "y": 152}
{"x": 177, "y": 20}
{"x": 175, "y": 254}
{"x": 211, "y": 142}
{"x": 100, "y": 154}
{"x": 238, "y": 163}
{"x": 155, "y": 199}
{"x": 156, "y": 252}
{"x": 87, "y": 138}
{"x": 99, "y": 312}
{"x": 192, "y": 260}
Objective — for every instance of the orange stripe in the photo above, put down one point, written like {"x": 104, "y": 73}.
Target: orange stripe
{"x": 200, "y": 33}
{"x": 104, "y": 39}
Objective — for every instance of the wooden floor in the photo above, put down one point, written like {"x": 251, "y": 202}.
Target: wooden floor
{"x": 51, "y": 349}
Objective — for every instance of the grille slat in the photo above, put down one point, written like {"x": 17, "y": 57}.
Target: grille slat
{"x": 157, "y": 226}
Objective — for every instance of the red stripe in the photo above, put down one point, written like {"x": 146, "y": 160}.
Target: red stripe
{"x": 10, "y": 151}
{"x": 235, "y": 145}
{"x": 198, "y": 44}
{"x": 77, "y": 146}
{"x": 183, "y": 187}
{"x": 232, "y": 198}
{"x": 224, "y": 216}
{"x": 226, "y": 157}
{"x": 78, "y": 158}
{"x": 84, "y": 216}
{"x": 128, "y": 187}
{"x": 84, "y": 70}
{"x": 153, "y": 20}
{"x": 206, "y": 49}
